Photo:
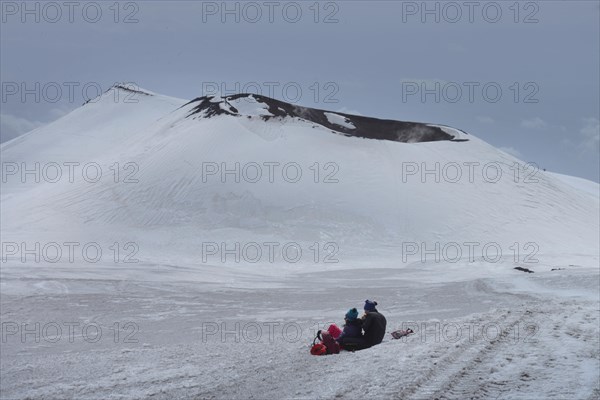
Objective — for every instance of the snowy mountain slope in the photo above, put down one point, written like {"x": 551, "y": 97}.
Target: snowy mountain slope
{"x": 181, "y": 324}
{"x": 96, "y": 128}
{"x": 361, "y": 193}
{"x": 584, "y": 185}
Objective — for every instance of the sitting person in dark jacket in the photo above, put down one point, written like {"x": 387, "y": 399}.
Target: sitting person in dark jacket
{"x": 373, "y": 324}
{"x": 352, "y": 328}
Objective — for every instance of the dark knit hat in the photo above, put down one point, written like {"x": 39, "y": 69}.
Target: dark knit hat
{"x": 370, "y": 305}
{"x": 352, "y": 314}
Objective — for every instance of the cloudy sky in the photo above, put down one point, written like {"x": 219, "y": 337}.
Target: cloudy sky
{"x": 522, "y": 76}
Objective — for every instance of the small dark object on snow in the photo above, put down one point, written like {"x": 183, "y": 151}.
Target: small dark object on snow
{"x": 524, "y": 269}
{"x": 401, "y": 333}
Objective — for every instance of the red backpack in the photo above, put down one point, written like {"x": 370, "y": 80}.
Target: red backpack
{"x": 328, "y": 345}
{"x": 318, "y": 349}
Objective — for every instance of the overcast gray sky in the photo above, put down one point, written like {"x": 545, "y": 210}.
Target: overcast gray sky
{"x": 522, "y": 76}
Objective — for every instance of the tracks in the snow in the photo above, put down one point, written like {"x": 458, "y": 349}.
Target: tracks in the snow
{"x": 443, "y": 380}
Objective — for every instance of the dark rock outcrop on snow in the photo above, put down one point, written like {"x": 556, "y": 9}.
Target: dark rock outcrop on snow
{"x": 353, "y": 125}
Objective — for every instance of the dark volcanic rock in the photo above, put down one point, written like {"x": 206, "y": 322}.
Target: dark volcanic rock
{"x": 524, "y": 269}
{"x": 364, "y": 127}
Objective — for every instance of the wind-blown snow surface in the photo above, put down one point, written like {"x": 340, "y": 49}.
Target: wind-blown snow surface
{"x": 188, "y": 320}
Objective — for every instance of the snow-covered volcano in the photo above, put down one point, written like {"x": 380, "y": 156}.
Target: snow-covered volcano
{"x": 175, "y": 174}
{"x": 173, "y": 229}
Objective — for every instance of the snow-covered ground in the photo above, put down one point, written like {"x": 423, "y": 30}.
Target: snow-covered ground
{"x": 481, "y": 332}
{"x": 166, "y": 310}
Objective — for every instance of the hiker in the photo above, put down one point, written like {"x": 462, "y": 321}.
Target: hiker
{"x": 352, "y": 331}
{"x": 373, "y": 323}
